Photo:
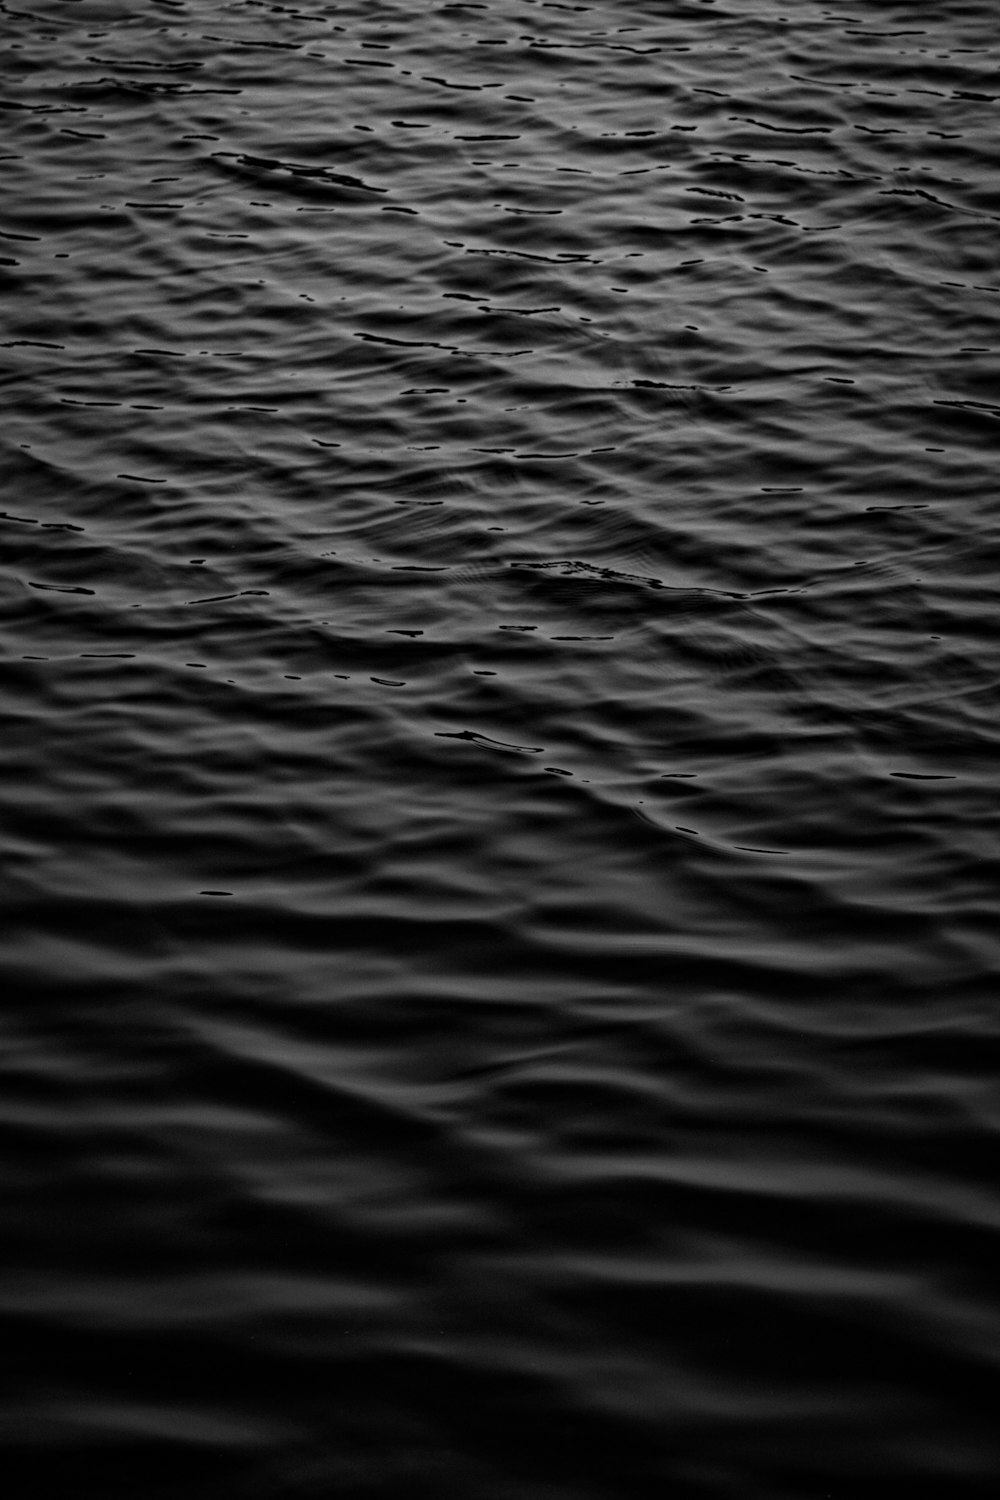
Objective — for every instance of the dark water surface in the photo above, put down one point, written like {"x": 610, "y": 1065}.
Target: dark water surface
{"x": 499, "y": 759}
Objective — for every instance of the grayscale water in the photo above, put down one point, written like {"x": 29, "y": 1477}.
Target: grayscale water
{"x": 500, "y": 749}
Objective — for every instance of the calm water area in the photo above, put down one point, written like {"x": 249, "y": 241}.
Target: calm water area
{"x": 499, "y": 544}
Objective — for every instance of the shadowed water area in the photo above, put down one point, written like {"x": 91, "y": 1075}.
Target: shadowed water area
{"x": 499, "y": 764}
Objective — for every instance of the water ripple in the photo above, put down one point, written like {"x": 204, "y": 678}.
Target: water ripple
{"x": 500, "y": 687}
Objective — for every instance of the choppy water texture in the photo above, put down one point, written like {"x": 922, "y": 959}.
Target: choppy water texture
{"x": 500, "y": 553}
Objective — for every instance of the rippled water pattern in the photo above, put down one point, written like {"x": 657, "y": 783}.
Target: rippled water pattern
{"x": 500, "y": 554}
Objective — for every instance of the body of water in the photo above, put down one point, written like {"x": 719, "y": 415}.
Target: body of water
{"x": 501, "y": 673}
